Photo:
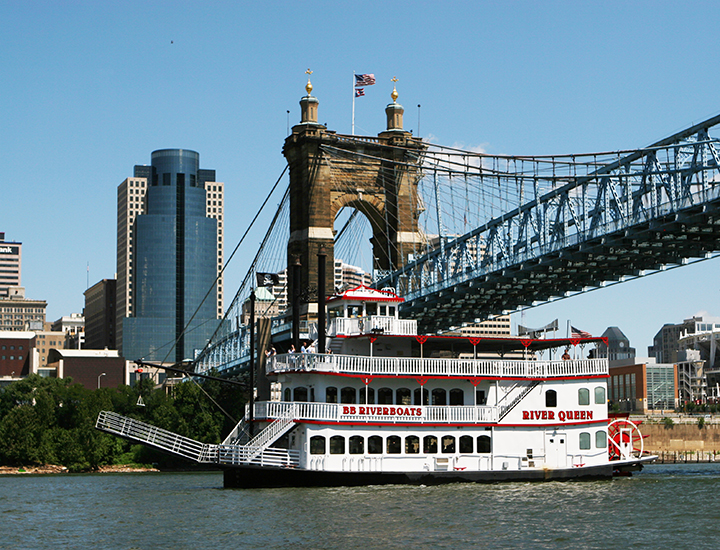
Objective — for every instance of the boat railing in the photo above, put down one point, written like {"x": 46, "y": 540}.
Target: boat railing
{"x": 358, "y": 413}
{"x": 384, "y": 324}
{"x": 239, "y": 454}
{"x": 416, "y": 366}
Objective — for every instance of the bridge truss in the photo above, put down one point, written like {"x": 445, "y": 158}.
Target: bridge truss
{"x": 564, "y": 225}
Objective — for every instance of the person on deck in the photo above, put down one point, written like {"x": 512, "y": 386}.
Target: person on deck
{"x": 566, "y": 355}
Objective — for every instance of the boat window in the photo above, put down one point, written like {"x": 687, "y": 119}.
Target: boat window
{"x": 484, "y": 444}
{"x": 412, "y": 445}
{"x": 383, "y": 310}
{"x": 348, "y": 395}
{"x": 601, "y": 439}
{"x": 439, "y": 397}
{"x": 466, "y": 444}
{"x": 370, "y": 395}
{"x": 393, "y": 445}
{"x": 385, "y": 396}
{"x": 403, "y": 397}
{"x": 300, "y": 394}
{"x": 391, "y": 311}
{"x": 584, "y": 440}
{"x": 583, "y": 396}
{"x": 457, "y": 397}
{"x": 371, "y": 309}
{"x": 357, "y": 445}
{"x": 448, "y": 444}
{"x": 600, "y": 395}
{"x": 416, "y": 397}
{"x": 288, "y": 395}
{"x": 429, "y": 444}
{"x": 480, "y": 397}
{"x": 337, "y": 445}
{"x": 331, "y": 395}
{"x": 375, "y": 445}
{"x": 354, "y": 311}
{"x": 551, "y": 398}
{"x": 317, "y": 445}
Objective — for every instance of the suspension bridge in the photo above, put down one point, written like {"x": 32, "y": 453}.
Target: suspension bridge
{"x": 465, "y": 236}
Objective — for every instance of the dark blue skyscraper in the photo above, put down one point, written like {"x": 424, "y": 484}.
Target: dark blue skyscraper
{"x": 174, "y": 259}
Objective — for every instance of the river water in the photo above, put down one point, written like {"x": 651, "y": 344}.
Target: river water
{"x": 665, "y": 506}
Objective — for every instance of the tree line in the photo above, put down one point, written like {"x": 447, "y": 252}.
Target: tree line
{"x": 52, "y": 420}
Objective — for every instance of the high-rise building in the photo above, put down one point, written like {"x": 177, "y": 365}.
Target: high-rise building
{"x": 100, "y": 315}
{"x": 169, "y": 254}
{"x": 10, "y": 264}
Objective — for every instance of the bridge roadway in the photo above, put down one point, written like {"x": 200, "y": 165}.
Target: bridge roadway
{"x": 649, "y": 210}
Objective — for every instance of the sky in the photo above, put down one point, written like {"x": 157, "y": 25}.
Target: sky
{"x": 90, "y": 89}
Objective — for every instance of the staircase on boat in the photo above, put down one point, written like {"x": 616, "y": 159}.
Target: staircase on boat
{"x": 256, "y": 451}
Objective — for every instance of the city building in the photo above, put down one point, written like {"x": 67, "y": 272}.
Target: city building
{"x": 100, "y": 315}
{"x": 19, "y": 313}
{"x": 94, "y": 369}
{"x": 73, "y": 326}
{"x": 169, "y": 255}
{"x": 666, "y": 342}
{"x": 617, "y": 348}
{"x": 346, "y": 276}
{"x": 46, "y": 340}
{"x": 699, "y": 363}
{"x": 642, "y": 385}
{"x": 10, "y": 265}
{"x": 16, "y": 353}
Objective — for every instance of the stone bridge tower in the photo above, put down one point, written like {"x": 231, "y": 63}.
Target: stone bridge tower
{"x": 374, "y": 175}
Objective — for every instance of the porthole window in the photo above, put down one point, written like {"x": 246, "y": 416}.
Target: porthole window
{"x": 357, "y": 445}
{"x": 403, "y": 397}
{"x": 412, "y": 445}
{"x": 348, "y": 395}
{"x": 337, "y": 445}
{"x": 457, "y": 397}
{"x": 600, "y": 396}
{"x": 601, "y": 439}
{"x": 317, "y": 445}
{"x": 551, "y": 398}
{"x": 430, "y": 444}
{"x": 375, "y": 445}
{"x": 584, "y": 440}
{"x": 393, "y": 445}
{"x": 583, "y": 396}
{"x": 484, "y": 444}
{"x": 331, "y": 395}
{"x": 385, "y": 396}
{"x": 466, "y": 444}
{"x": 448, "y": 444}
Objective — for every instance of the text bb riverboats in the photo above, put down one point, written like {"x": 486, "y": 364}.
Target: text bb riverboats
{"x": 387, "y": 405}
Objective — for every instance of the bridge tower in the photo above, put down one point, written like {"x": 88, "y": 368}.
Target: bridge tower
{"x": 374, "y": 175}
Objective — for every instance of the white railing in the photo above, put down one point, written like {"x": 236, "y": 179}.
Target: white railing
{"x": 396, "y": 414}
{"x": 415, "y": 366}
{"x": 238, "y": 454}
{"x": 372, "y": 323}
{"x": 136, "y": 430}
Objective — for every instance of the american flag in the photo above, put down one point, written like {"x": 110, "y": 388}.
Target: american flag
{"x": 364, "y": 79}
{"x": 359, "y": 92}
{"x": 577, "y": 333}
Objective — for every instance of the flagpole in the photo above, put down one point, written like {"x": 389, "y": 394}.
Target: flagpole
{"x": 352, "y": 131}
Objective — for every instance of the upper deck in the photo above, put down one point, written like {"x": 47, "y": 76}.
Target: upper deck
{"x": 434, "y": 367}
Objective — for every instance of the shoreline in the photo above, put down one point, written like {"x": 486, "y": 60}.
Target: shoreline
{"x": 55, "y": 469}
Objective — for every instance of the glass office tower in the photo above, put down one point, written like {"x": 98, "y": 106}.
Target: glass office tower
{"x": 174, "y": 257}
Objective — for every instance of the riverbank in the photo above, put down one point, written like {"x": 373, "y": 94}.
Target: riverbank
{"x": 55, "y": 469}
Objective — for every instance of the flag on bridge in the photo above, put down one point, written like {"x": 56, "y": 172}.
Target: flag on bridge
{"x": 364, "y": 80}
{"x": 359, "y": 92}
{"x": 577, "y": 333}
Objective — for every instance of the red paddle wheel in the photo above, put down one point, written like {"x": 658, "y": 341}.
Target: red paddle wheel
{"x": 624, "y": 440}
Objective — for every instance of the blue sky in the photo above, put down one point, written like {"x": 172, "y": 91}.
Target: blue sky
{"x": 92, "y": 88}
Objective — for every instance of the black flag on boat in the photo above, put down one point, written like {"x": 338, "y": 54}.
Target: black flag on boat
{"x": 267, "y": 279}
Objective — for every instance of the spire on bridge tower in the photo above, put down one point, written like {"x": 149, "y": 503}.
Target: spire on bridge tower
{"x": 394, "y": 111}
{"x": 308, "y": 104}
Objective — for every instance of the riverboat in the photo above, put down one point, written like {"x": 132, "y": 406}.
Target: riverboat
{"x": 387, "y": 405}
